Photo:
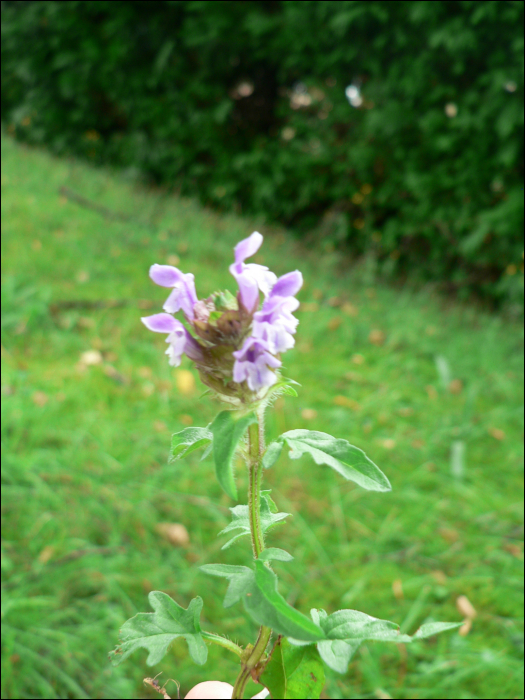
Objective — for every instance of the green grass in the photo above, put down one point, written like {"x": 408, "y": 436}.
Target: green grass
{"x": 84, "y": 467}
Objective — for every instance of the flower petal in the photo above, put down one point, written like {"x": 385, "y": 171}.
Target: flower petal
{"x": 288, "y": 285}
{"x": 165, "y": 275}
{"x": 161, "y": 323}
{"x": 248, "y": 247}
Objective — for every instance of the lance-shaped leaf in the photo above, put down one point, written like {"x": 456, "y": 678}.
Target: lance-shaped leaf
{"x": 346, "y": 629}
{"x": 267, "y": 607}
{"x": 228, "y": 429}
{"x": 155, "y": 631}
{"x": 241, "y": 519}
{"x": 349, "y": 461}
{"x": 293, "y": 672}
{"x": 262, "y": 600}
{"x": 188, "y": 440}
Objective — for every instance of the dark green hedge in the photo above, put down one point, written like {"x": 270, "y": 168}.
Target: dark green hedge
{"x": 244, "y": 104}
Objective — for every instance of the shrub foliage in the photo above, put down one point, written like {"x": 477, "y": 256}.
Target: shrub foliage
{"x": 394, "y": 128}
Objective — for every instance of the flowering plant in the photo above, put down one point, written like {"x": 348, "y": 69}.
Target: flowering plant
{"x": 236, "y": 346}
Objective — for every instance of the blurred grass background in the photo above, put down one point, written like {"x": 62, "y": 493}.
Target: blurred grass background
{"x": 433, "y": 393}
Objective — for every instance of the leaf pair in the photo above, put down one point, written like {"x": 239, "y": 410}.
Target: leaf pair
{"x": 241, "y": 519}
{"x": 222, "y": 436}
{"x": 228, "y": 428}
{"x": 337, "y": 636}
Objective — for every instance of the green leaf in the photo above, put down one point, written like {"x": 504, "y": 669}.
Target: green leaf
{"x": 349, "y": 461}
{"x": 241, "y": 519}
{"x": 187, "y": 441}
{"x": 263, "y": 602}
{"x": 155, "y": 631}
{"x": 431, "y": 628}
{"x": 272, "y": 453}
{"x": 346, "y": 629}
{"x": 273, "y": 553}
{"x": 266, "y": 606}
{"x": 228, "y": 428}
{"x": 293, "y": 672}
{"x": 240, "y": 577}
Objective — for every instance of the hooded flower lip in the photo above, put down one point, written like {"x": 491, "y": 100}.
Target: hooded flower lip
{"x": 250, "y": 277}
{"x": 183, "y": 295}
{"x": 274, "y": 323}
{"x": 179, "y": 339}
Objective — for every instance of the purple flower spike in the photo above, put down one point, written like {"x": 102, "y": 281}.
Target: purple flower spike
{"x": 183, "y": 295}
{"x": 252, "y": 363}
{"x": 251, "y": 278}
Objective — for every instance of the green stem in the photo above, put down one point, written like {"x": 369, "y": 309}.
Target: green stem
{"x": 223, "y": 642}
{"x": 255, "y": 449}
{"x": 254, "y": 490}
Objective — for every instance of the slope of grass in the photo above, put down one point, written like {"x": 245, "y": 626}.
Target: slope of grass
{"x": 433, "y": 394}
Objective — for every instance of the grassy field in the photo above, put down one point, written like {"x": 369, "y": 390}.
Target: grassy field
{"x": 432, "y": 392}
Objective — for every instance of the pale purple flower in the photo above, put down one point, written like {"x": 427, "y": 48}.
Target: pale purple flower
{"x": 250, "y": 277}
{"x": 274, "y": 323}
{"x": 183, "y": 295}
{"x": 252, "y": 364}
{"x": 180, "y": 341}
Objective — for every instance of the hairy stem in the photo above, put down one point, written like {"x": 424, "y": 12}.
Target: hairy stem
{"x": 255, "y": 450}
{"x": 254, "y": 491}
{"x": 223, "y": 642}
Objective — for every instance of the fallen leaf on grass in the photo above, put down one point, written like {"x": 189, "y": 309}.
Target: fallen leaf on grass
{"x": 91, "y": 357}
{"x": 388, "y": 444}
{"x": 465, "y": 607}
{"x": 175, "y": 533}
{"x": 455, "y": 386}
{"x": 514, "y": 549}
{"x": 39, "y": 398}
{"x": 114, "y": 374}
{"x": 185, "y": 382}
{"x": 46, "y": 554}
{"x": 377, "y": 337}
{"x": 397, "y": 589}
{"x": 432, "y": 392}
{"x": 309, "y": 306}
{"x": 349, "y": 309}
{"x": 348, "y": 403}
{"x": 334, "y": 323}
